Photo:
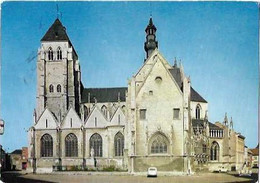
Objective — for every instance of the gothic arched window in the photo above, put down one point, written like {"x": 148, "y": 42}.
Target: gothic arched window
{"x": 46, "y": 146}
{"x": 198, "y": 110}
{"x": 71, "y": 145}
{"x": 104, "y": 110}
{"x": 59, "y": 88}
{"x": 95, "y": 143}
{"x": 159, "y": 144}
{"x": 214, "y": 152}
{"x": 51, "y": 88}
{"x": 59, "y": 54}
{"x": 123, "y": 108}
{"x": 50, "y": 54}
{"x": 119, "y": 144}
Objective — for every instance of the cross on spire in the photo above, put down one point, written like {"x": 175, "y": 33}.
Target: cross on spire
{"x": 59, "y": 14}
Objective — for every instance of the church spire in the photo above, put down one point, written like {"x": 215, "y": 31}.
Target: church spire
{"x": 231, "y": 123}
{"x": 225, "y": 122}
{"x": 150, "y": 43}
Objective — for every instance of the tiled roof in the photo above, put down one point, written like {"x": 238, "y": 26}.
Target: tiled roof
{"x": 57, "y": 32}
{"x": 199, "y": 122}
{"x": 103, "y": 94}
{"x": 255, "y": 151}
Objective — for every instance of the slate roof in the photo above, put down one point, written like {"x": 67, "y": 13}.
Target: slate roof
{"x": 150, "y": 25}
{"x": 195, "y": 96}
{"x": 17, "y": 151}
{"x": 103, "y": 94}
{"x": 176, "y": 74}
{"x": 199, "y": 122}
{"x": 57, "y": 32}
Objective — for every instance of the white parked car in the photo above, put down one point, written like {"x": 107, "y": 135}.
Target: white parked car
{"x": 152, "y": 172}
{"x": 223, "y": 169}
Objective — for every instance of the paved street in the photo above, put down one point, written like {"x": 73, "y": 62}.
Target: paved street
{"x": 76, "y": 177}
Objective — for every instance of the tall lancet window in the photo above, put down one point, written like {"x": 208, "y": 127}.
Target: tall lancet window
{"x": 104, "y": 110}
{"x": 214, "y": 152}
{"x": 95, "y": 143}
{"x": 50, "y": 54}
{"x": 59, "y": 88}
{"x": 119, "y": 144}
{"x": 59, "y": 54}
{"x": 71, "y": 145}
{"x": 46, "y": 146}
{"x": 198, "y": 110}
{"x": 51, "y": 88}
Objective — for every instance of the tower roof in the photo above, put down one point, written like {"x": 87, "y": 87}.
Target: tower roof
{"x": 150, "y": 25}
{"x": 57, "y": 32}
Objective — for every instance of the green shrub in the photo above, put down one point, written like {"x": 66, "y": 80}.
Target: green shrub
{"x": 110, "y": 168}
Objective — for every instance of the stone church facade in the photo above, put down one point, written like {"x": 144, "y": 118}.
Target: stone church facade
{"x": 158, "y": 120}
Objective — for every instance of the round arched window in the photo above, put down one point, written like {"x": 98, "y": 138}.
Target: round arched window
{"x": 158, "y": 79}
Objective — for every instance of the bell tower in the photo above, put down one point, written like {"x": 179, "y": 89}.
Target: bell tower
{"x": 58, "y": 73}
{"x": 150, "y": 43}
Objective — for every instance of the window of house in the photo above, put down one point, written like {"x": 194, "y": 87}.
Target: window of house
{"x": 119, "y": 119}
{"x": 50, "y": 54}
{"x": 176, "y": 113}
{"x": 198, "y": 110}
{"x": 71, "y": 122}
{"x": 142, "y": 113}
{"x": 119, "y": 144}
{"x": 51, "y": 88}
{"x": 46, "y": 146}
{"x": 59, "y": 88}
{"x": 71, "y": 145}
{"x": 46, "y": 123}
{"x": 95, "y": 143}
{"x": 59, "y": 54}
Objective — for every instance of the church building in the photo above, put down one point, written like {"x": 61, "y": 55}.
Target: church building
{"x": 157, "y": 120}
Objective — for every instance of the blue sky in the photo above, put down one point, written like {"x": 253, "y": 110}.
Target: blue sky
{"x": 216, "y": 41}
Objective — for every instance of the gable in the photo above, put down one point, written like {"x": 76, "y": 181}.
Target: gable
{"x": 96, "y": 119}
{"x": 71, "y": 120}
{"x": 160, "y": 81}
{"x": 46, "y": 121}
{"x": 147, "y": 66}
{"x": 118, "y": 118}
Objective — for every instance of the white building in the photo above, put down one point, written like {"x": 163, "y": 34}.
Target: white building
{"x": 157, "y": 120}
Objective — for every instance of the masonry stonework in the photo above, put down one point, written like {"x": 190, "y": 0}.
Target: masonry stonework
{"x": 158, "y": 120}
